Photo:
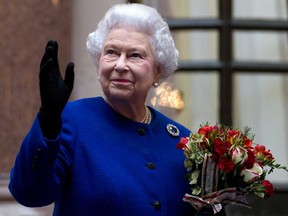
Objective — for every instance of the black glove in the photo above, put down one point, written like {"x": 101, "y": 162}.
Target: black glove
{"x": 54, "y": 91}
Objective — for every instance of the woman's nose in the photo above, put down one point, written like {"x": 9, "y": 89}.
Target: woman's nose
{"x": 121, "y": 64}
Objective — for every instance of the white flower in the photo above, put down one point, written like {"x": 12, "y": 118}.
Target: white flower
{"x": 253, "y": 174}
{"x": 239, "y": 155}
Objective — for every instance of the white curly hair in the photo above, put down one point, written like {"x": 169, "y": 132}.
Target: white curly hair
{"x": 147, "y": 20}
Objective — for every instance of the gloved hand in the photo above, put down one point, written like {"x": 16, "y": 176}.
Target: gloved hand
{"x": 54, "y": 91}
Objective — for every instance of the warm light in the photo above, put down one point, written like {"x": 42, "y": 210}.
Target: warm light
{"x": 55, "y": 2}
{"x": 168, "y": 97}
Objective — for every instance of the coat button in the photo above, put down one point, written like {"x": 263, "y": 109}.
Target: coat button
{"x": 34, "y": 166}
{"x": 156, "y": 204}
{"x": 151, "y": 166}
{"x": 141, "y": 131}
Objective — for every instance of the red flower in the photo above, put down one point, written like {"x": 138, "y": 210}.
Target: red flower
{"x": 221, "y": 147}
{"x": 268, "y": 188}
{"x": 262, "y": 154}
{"x": 226, "y": 165}
{"x": 215, "y": 157}
{"x": 250, "y": 160}
{"x": 205, "y": 130}
{"x": 231, "y": 135}
{"x": 208, "y": 131}
{"x": 248, "y": 142}
{"x": 182, "y": 143}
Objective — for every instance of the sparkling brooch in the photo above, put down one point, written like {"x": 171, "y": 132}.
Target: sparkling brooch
{"x": 172, "y": 130}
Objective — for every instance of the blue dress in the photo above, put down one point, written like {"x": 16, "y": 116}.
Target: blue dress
{"x": 103, "y": 164}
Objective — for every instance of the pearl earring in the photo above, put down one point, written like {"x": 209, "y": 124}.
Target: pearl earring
{"x": 155, "y": 85}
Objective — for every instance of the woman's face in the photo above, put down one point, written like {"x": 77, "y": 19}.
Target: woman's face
{"x": 127, "y": 68}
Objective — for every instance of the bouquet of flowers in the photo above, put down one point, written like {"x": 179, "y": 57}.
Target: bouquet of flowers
{"x": 224, "y": 165}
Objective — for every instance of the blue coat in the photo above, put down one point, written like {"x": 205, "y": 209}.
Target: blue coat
{"x": 103, "y": 164}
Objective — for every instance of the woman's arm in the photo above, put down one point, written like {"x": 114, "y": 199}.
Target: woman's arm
{"x": 42, "y": 165}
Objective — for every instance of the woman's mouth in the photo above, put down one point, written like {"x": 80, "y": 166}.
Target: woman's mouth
{"x": 121, "y": 82}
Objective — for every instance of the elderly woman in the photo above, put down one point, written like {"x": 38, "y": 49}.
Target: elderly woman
{"x": 109, "y": 155}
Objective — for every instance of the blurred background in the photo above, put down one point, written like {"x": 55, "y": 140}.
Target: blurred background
{"x": 233, "y": 69}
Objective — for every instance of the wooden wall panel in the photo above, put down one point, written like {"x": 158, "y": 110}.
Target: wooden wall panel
{"x": 25, "y": 27}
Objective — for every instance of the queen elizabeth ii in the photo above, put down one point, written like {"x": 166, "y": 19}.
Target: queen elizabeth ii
{"x": 110, "y": 154}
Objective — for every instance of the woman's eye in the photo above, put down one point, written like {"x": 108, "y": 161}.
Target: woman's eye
{"x": 135, "y": 55}
{"x": 110, "y": 52}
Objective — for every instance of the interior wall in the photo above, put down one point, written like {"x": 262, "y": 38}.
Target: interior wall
{"x": 25, "y": 28}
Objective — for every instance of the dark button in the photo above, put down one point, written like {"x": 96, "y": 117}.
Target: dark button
{"x": 39, "y": 150}
{"x": 34, "y": 166}
{"x": 141, "y": 131}
{"x": 151, "y": 165}
{"x": 36, "y": 157}
{"x": 156, "y": 204}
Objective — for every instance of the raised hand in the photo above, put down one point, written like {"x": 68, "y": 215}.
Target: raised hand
{"x": 54, "y": 91}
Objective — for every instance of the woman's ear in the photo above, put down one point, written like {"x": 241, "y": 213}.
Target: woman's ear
{"x": 157, "y": 75}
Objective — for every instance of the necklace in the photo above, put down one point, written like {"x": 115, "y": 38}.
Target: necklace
{"x": 147, "y": 117}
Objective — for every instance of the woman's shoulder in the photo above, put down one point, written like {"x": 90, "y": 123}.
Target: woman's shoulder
{"x": 164, "y": 119}
{"x": 85, "y": 103}
{"x": 84, "y": 106}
